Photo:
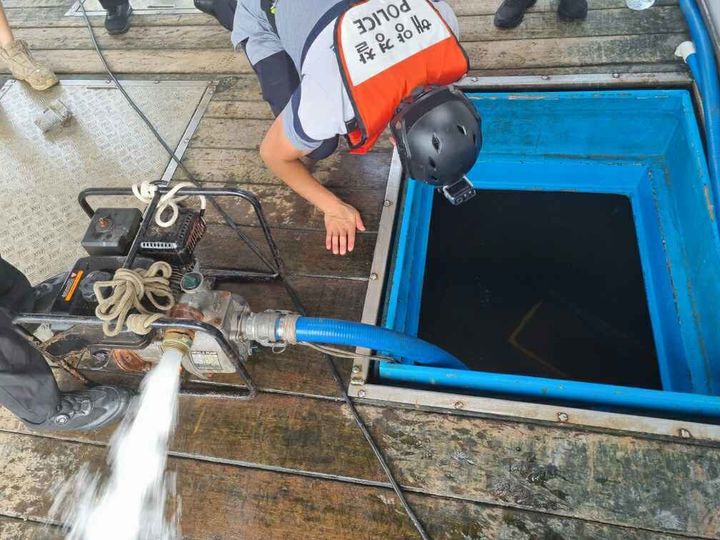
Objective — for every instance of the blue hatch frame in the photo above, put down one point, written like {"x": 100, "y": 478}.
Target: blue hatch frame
{"x": 644, "y": 144}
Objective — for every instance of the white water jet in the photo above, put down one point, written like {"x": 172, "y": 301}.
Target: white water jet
{"x": 131, "y": 503}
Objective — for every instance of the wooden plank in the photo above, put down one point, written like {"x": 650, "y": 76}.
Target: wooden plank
{"x": 288, "y": 432}
{"x": 304, "y": 252}
{"x": 28, "y": 4}
{"x": 187, "y": 61}
{"x": 284, "y": 208}
{"x": 230, "y": 133}
{"x": 222, "y": 501}
{"x": 18, "y": 529}
{"x": 489, "y": 7}
{"x": 624, "y": 480}
{"x": 54, "y": 17}
{"x": 236, "y": 166}
{"x": 240, "y": 87}
{"x": 251, "y": 110}
{"x": 545, "y": 24}
{"x": 508, "y": 54}
{"x": 140, "y": 37}
{"x": 539, "y": 53}
{"x": 461, "y": 7}
{"x": 541, "y": 24}
{"x": 243, "y": 134}
{"x": 604, "y": 69}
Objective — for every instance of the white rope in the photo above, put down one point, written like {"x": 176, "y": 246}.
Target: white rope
{"x": 128, "y": 289}
{"x": 145, "y": 191}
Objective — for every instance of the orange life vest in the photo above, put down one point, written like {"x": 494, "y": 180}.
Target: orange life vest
{"x": 386, "y": 49}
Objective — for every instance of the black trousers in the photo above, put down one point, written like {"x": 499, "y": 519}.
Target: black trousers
{"x": 108, "y": 4}
{"x": 277, "y": 75}
{"x": 27, "y": 386}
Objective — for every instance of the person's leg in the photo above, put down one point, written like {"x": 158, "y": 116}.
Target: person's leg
{"x": 27, "y": 385}
{"x": 511, "y": 12}
{"x": 117, "y": 17}
{"x": 572, "y": 10}
{"x": 222, "y": 10}
{"x": 23, "y": 66}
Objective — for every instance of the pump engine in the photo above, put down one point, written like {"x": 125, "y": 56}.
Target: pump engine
{"x": 108, "y": 240}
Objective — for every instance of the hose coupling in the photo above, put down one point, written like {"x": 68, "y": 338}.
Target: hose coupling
{"x": 270, "y": 328}
{"x": 178, "y": 340}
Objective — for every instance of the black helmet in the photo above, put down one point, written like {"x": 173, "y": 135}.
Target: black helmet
{"x": 438, "y": 134}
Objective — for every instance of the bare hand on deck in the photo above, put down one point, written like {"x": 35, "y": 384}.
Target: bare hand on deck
{"x": 340, "y": 224}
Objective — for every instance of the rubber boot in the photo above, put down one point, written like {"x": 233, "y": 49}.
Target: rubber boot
{"x": 206, "y": 6}
{"x": 511, "y": 12}
{"x": 573, "y": 10}
{"x": 117, "y": 19}
{"x": 87, "y": 410}
{"x": 24, "y": 67}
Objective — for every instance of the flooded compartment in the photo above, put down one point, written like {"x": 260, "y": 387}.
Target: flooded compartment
{"x": 548, "y": 284}
{"x": 584, "y": 272}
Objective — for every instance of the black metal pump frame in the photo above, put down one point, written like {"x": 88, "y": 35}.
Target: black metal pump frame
{"x": 275, "y": 271}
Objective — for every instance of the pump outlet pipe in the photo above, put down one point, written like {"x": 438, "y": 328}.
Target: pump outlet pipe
{"x": 272, "y": 328}
{"x": 704, "y": 68}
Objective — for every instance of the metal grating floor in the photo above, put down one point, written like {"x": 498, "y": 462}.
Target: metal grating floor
{"x": 105, "y": 144}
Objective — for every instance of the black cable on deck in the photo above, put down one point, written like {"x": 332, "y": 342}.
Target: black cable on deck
{"x": 290, "y": 290}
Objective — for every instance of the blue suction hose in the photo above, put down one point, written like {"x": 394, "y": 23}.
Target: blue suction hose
{"x": 704, "y": 69}
{"x": 395, "y": 344}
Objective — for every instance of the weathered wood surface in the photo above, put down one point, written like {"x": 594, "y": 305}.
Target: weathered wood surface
{"x": 18, "y": 529}
{"x": 622, "y": 481}
{"x": 283, "y": 208}
{"x": 244, "y": 166}
{"x": 225, "y": 501}
{"x": 611, "y": 35}
{"x": 184, "y": 31}
{"x": 487, "y": 55}
{"x": 303, "y": 251}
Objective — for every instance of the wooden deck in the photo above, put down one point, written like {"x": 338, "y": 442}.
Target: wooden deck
{"x": 292, "y": 464}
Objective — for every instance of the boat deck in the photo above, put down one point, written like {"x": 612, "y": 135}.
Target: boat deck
{"x": 292, "y": 463}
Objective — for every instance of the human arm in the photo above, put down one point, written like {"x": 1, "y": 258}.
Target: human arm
{"x": 284, "y": 160}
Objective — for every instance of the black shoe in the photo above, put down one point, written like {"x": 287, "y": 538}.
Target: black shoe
{"x": 117, "y": 20}
{"x": 573, "y": 10}
{"x": 88, "y": 409}
{"x": 511, "y": 12}
{"x": 206, "y": 6}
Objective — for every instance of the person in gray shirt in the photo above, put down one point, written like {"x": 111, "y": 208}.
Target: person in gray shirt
{"x": 290, "y": 45}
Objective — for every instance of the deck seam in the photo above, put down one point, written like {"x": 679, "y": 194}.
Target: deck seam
{"x": 352, "y": 481}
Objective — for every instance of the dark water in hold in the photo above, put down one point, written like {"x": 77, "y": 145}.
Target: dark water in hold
{"x": 543, "y": 284}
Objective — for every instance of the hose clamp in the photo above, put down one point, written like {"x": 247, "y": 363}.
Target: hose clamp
{"x": 287, "y": 329}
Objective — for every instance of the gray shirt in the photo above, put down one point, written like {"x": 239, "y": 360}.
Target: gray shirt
{"x": 320, "y": 108}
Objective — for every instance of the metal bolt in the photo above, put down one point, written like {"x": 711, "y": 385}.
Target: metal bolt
{"x": 685, "y": 434}
{"x": 373, "y": 276}
{"x": 545, "y": 77}
{"x": 459, "y": 405}
{"x": 474, "y": 79}
{"x": 104, "y": 223}
{"x": 615, "y": 75}
{"x": 387, "y": 203}
{"x": 356, "y": 369}
{"x": 563, "y": 417}
{"x": 362, "y": 393}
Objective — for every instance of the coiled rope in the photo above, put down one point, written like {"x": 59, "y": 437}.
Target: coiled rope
{"x": 145, "y": 191}
{"x": 128, "y": 288}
